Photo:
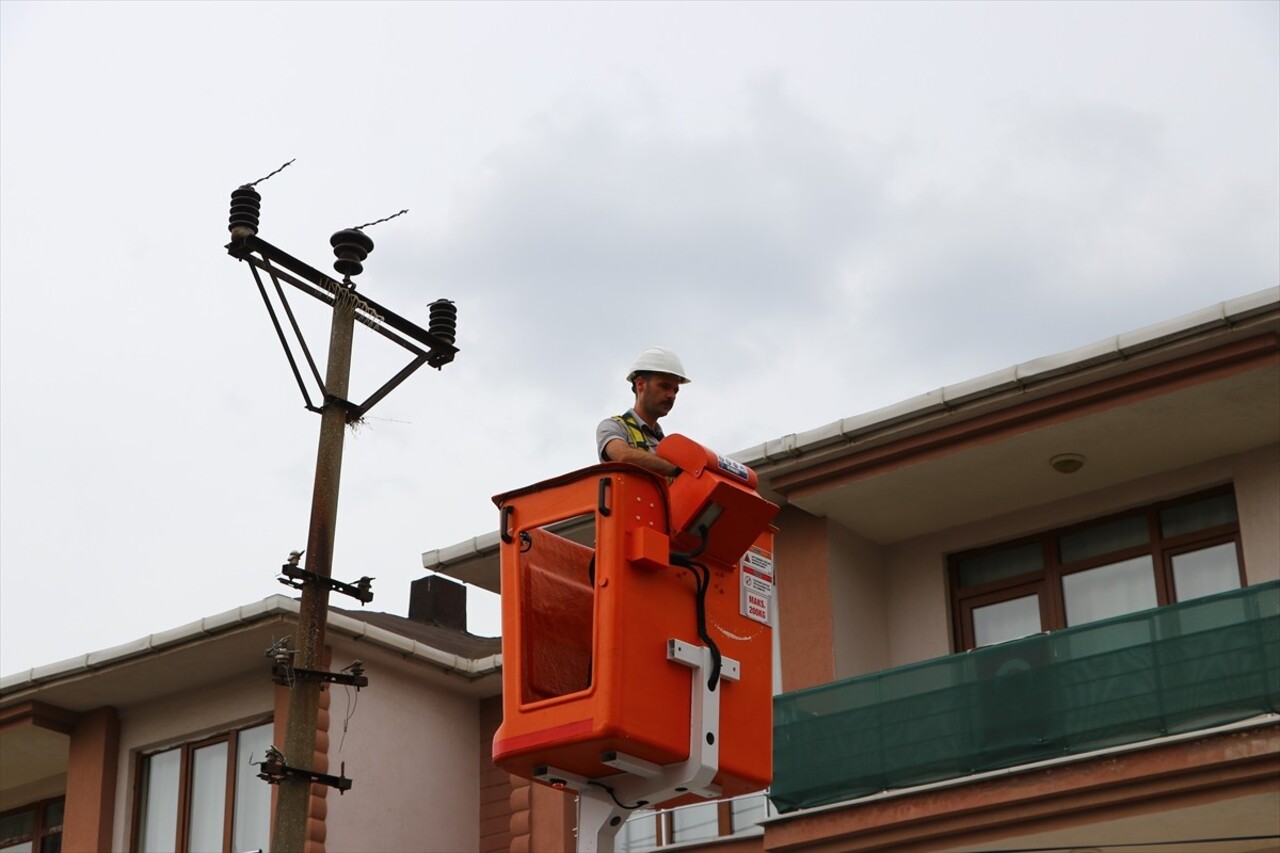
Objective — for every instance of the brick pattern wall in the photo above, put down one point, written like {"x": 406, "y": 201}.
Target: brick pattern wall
{"x": 504, "y": 799}
{"x": 317, "y": 829}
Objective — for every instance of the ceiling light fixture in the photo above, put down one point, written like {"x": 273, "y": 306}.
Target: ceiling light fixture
{"x": 1067, "y": 463}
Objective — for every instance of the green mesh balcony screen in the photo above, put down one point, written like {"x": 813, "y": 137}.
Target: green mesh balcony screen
{"x": 1176, "y": 669}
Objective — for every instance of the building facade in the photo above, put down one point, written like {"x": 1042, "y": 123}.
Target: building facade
{"x": 1033, "y": 610}
{"x": 153, "y": 746}
{"x": 1037, "y": 610}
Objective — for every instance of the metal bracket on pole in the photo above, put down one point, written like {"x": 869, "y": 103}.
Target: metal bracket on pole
{"x": 297, "y": 578}
{"x": 273, "y": 770}
{"x": 604, "y": 804}
{"x": 286, "y": 675}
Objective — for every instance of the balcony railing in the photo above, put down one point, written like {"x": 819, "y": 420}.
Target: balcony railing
{"x": 1174, "y": 669}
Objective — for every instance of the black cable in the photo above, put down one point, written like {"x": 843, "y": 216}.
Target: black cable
{"x": 639, "y": 803}
{"x": 678, "y": 557}
{"x": 702, "y": 583}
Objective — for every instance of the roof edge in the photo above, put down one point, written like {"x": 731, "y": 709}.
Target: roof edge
{"x": 272, "y": 606}
{"x": 1223, "y": 315}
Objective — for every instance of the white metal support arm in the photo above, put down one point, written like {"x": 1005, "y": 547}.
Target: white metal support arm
{"x": 604, "y": 804}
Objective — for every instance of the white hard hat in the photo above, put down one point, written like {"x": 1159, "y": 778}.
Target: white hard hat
{"x": 658, "y": 360}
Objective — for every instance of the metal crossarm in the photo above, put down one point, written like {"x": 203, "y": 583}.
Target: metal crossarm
{"x": 425, "y": 347}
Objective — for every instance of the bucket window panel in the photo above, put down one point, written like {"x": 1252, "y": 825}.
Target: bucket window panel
{"x": 559, "y": 613}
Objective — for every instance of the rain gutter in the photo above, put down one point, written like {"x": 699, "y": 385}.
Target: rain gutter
{"x": 1222, "y": 316}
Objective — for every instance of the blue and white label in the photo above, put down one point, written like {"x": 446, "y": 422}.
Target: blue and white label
{"x": 730, "y": 466}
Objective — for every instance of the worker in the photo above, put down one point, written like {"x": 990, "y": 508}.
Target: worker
{"x": 655, "y": 377}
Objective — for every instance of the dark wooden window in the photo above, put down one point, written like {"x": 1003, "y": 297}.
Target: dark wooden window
{"x": 1166, "y": 552}
{"x": 204, "y": 795}
{"x": 36, "y": 828}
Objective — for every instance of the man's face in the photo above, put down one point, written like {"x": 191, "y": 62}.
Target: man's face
{"x": 656, "y": 394}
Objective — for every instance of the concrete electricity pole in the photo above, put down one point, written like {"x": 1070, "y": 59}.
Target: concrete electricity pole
{"x": 299, "y": 666}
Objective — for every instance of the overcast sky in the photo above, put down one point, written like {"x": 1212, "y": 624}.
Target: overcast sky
{"x": 823, "y": 208}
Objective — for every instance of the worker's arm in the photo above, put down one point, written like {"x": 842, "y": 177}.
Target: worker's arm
{"x": 617, "y": 450}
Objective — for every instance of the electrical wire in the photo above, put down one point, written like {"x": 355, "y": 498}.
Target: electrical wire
{"x": 379, "y": 221}
{"x": 702, "y": 583}
{"x": 639, "y": 803}
{"x": 276, "y": 172}
{"x": 351, "y": 712}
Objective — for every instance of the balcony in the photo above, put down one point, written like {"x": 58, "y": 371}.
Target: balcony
{"x": 1171, "y": 670}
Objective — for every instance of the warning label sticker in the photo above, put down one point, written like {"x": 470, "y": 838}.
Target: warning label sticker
{"x": 756, "y": 606}
{"x": 757, "y": 585}
{"x": 758, "y": 562}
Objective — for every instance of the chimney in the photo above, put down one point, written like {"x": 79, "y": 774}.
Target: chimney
{"x": 436, "y": 600}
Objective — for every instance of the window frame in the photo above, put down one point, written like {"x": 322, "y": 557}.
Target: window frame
{"x": 1038, "y": 587}
{"x": 1047, "y": 581}
{"x": 1201, "y": 544}
{"x": 665, "y": 834}
{"x": 186, "y": 768}
{"x": 39, "y": 831}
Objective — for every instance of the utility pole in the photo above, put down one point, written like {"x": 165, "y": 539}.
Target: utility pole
{"x": 299, "y": 666}
{"x": 292, "y": 807}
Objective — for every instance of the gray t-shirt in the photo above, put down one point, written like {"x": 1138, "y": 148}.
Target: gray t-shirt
{"x": 611, "y": 428}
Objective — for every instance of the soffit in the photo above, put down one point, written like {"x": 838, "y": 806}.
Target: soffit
{"x": 30, "y": 754}
{"x": 1173, "y": 430}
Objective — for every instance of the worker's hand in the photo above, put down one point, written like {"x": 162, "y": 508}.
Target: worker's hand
{"x": 619, "y": 451}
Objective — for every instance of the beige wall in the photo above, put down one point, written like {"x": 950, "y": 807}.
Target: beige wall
{"x": 919, "y": 601}
{"x": 410, "y": 750}
{"x": 890, "y": 606}
{"x": 1257, "y": 479}
{"x": 859, "y": 604}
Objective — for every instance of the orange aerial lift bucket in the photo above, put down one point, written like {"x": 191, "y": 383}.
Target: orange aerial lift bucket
{"x": 614, "y": 581}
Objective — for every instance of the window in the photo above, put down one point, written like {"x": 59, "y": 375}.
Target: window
{"x": 1006, "y": 620}
{"x": 1156, "y": 555}
{"x": 698, "y": 822}
{"x": 205, "y": 797}
{"x": 648, "y": 830}
{"x": 36, "y": 828}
